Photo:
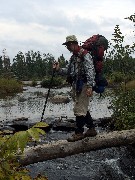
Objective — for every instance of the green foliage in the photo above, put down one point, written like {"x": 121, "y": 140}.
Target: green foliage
{"x": 125, "y": 65}
{"x": 119, "y": 57}
{"x": 9, "y": 86}
{"x": 124, "y": 110}
{"x": 40, "y": 124}
{"x": 34, "y": 83}
{"x": 124, "y": 100}
{"x": 11, "y": 148}
{"x": 34, "y": 65}
{"x": 117, "y": 77}
{"x": 57, "y": 81}
{"x": 62, "y": 61}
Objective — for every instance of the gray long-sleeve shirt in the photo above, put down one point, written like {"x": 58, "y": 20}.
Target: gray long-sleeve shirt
{"x": 80, "y": 67}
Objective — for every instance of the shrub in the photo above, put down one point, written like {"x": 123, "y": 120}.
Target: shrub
{"x": 34, "y": 83}
{"x": 10, "y": 86}
{"x": 57, "y": 81}
{"x": 12, "y": 148}
{"x": 117, "y": 77}
{"x": 124, "y": 110}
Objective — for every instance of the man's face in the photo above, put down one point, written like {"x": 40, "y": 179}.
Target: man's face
{"x": 70, "y": 47}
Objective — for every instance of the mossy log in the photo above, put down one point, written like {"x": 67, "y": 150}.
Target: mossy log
{"x": 63, "y": 148}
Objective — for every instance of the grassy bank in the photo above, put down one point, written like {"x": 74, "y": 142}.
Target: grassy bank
{"x": 130, "y": 84}
{"x": 9, "y": 86}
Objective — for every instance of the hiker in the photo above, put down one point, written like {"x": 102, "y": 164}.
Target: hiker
{"x": 80, "y": 74}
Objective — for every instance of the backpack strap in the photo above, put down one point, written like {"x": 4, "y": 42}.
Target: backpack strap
{"x": 82, "y": 52}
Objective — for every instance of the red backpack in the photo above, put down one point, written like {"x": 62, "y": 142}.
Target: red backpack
{"x": 96, "y": 46}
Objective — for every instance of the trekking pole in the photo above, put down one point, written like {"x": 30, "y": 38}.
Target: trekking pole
{"x": 48, "y": 94}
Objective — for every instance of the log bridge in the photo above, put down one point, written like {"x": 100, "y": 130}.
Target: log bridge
{"x": 63, "y": 148}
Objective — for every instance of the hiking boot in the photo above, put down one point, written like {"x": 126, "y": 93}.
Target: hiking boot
{"x": 90, "y": 132}
{"x": 75, "y": 137}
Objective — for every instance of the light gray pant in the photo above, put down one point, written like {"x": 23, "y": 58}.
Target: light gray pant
{"x": 81, "y": 101}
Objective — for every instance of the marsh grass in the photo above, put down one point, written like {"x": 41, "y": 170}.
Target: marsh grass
{"x": 130, "y": 85}
{"x": 9, "y": 86}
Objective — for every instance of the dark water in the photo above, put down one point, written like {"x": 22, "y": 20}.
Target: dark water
{"x": 104, "y": 165}
{"x": 116, "y": 163}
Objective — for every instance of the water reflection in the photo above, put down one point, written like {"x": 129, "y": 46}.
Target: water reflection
{"x": 29, "y": 104}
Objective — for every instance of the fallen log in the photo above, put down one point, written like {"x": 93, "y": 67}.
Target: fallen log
{"x": 63, "y": 148}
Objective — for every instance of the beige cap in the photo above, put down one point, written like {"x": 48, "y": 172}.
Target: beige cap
{"x": 71, "y": 38}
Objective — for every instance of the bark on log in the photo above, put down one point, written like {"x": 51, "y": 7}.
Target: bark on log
{"x": 62, "y": 148}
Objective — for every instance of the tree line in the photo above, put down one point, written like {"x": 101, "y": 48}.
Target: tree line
{"x": 31, "y": 65}
{"x": 34, "y": 65}
{"x": 118, "y": 61}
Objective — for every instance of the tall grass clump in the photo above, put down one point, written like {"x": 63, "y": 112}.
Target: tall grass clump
{"x": 9, "y": 86}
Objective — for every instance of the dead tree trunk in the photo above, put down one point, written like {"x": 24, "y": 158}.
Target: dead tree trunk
{"x": 62, "y": 148}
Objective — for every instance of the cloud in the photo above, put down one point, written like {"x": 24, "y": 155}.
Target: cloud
{"x": 43, "y": 25}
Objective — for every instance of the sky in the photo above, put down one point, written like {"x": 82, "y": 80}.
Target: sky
{"x": 42, "y": 25}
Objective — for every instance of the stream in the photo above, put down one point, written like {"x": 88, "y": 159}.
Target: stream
{"x": 30, "y": 104}
{"x": 116, "y": 163}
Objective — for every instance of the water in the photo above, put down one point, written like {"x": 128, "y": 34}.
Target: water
{"x": 30, "y": 104}
{"x": 116, "y": 163}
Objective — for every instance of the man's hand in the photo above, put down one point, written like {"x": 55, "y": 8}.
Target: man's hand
{"x": 56, "y": 66}
{"x": 89, "y": 91}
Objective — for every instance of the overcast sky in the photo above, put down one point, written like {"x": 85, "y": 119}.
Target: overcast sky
{"x": 42, "y": 25}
